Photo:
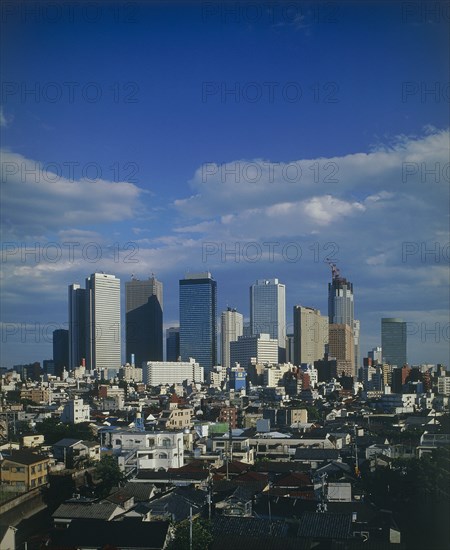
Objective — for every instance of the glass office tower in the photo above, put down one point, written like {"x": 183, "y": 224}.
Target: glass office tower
{"x": 198, "y": 325}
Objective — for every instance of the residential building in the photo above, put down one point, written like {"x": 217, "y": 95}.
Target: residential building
{"x": 24, "y": 470}
{"x": 232, "y": 324}
{"x": 198, "y": 328}
{"x": 310, "y": 335}
{"x": 75, "y": 412}
{"x": 268, "y": 312}
{"x": 144, "y": 320}
{"x": 156, "y": 373}
{"x": 393, "y": 341}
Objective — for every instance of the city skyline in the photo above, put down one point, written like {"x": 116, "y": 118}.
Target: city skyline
{"x": 254, "y": 146}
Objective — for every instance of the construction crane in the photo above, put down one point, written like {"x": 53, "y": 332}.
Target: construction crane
{"x": 334, "y": 269}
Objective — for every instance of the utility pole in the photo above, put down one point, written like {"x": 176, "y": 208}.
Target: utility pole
{"x": 190, "y": 528}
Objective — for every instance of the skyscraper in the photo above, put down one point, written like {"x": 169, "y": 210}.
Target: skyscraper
{"x": 341, "y": 346}
{"x": 77, "y": 325}
{"x": 172, "y": 343}
{"x": 60, "y": 350}
{"x": 232, "y": 325}
{"x": 268, "y": 312}
{"x": 310, "y": 335}
{"x": 103, "y": 322}
{"x": 393, "y": 341}
{"x": 341, "y": 307}
{"x": 144, "y": 320}
{"x": 198, "y": 325}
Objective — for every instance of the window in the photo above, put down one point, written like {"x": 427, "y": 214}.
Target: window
{"x": 39, "y": 468}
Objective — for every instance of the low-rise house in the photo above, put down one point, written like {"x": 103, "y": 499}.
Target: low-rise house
{"x": 85, "y": 508}
{"x": 32, "y": 440}
{"x": 76, "y": 452}
{"x": 24, "y": 470}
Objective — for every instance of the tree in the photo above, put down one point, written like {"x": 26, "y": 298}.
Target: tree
{"x": 110, "y": 474}
{"x": 201, "y": 536}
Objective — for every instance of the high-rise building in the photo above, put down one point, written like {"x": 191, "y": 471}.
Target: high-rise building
{"x": 341, "y": 307}
{"x": 310, "y": 335}
{"x": 198, "y": 325}
{"x": 172, "y": 343}
{"x": 268, "y": 312}
{"x": 232, "y": 325}
{"x": 256, "y": 349}
{"x": 77, "y": 325}
{"x": 393, "y": 341}
{"x": 144, "y": 320}
{"x": 103, "y": 322}
{"x": 60, "y": 350}
{"x": 341, "y": 346}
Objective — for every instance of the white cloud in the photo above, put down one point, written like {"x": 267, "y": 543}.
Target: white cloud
{"x": 36, "y": 201}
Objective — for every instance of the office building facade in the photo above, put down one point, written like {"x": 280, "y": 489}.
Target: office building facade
{"x": 310, "y": 335}
{"x": 254, "y": 349}
{"x": 60, "y": 350}
{"x": 172, "y": 343}
{"x": 198, "y": 324}
{"x": 232, "y": 326}
{"x": 77, "y": 325}
{"x": 144, "y": 320}
{"x": 103, "y": 341}
{"x": 393, "y": 341}
{"x": 268, "y": 312}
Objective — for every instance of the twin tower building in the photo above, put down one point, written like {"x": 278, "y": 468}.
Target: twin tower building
{"x": 95, "y": 333}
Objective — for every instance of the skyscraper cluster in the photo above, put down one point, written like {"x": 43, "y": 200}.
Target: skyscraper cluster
{"x": 94, "y": 337}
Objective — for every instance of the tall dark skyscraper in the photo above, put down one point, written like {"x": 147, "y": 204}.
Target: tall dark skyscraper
{"x": 172, "y": 343}
{"x": 60, "y": 350}
{"x": 144, "y": 320}
{"x": 77, "y": 325}
{"x": 393, "y": 341}
{"x": 341, "y": 307}
{"x": 198, "y": 324}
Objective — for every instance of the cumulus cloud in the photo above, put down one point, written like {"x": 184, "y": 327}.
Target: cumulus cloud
{"x": 37, "y": 200}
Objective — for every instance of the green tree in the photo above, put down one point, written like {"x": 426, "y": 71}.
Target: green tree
{"x": 201, "y": 536}
{"x": 109, "y": 472}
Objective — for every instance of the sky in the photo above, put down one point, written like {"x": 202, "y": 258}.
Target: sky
{"x": 251, "y": 139}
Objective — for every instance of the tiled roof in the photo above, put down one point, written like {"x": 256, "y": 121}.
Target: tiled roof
{"x": 93, "y": 510}
{"x": 325, "y": 525}
{"x": 248, "y": 526}
{"x": 25, "y": 457}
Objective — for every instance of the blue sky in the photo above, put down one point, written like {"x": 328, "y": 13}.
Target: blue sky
{"x": 134, "y": 132}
